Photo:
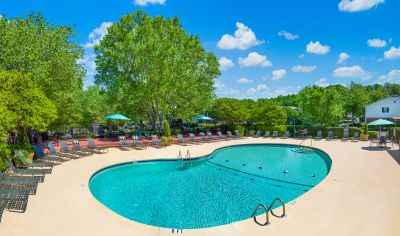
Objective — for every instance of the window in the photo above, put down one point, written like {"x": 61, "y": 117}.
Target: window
{"x": 385, "y": 109}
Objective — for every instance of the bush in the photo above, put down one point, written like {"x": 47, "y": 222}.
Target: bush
{"x": 167, "y": 141}
{"x": 239, "y": 128}
{"x": 365, "y": 128}
{"x": 167, "y": 129}
{"x": 251, "y": 133}
{"x": 373, "y": 134}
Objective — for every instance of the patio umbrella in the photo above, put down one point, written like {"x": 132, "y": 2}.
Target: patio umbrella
{"x": 203, "y": 117}
{"x": 380, "y": 122}
{"x": 117, "y": 117}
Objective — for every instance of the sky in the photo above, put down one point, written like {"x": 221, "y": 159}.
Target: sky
{"x": 265, "y": 48}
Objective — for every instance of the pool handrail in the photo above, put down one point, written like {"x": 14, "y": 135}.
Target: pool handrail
{"x": 267, "y": 210}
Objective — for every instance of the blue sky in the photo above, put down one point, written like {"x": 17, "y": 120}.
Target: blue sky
{"x": 266, "y": 48}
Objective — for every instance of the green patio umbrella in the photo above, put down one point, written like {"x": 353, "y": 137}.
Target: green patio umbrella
{"x": 380, "y": 122}
{"x": 117, "y": 117}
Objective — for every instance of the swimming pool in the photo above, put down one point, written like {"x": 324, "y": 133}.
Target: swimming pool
{"x": 223, "y": 187}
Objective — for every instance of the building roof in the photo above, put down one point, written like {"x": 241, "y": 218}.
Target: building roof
{"x": 393, "y": 96}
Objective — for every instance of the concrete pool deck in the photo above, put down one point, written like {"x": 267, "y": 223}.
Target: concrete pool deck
{"x": 360, "y": 196}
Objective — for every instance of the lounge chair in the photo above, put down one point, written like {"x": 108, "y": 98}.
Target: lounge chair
{"x": 66, "y": 150}
{"x": 51, "y": 149}
{"x": 258, "y": 134}
{"x": 14, "y": 199}
{"x": 330, "y": 135}
{"x": 356, "y": 136}
{"x": 230, "y": 135}
{"x": 47, "y": 167}
{"x": 203, "y": 137}
{"x": 286, "y": 135}
{"x": 137, "y": 144}
{"x": 24, "y": 182}
{"x": 267, "y": 134}
{"x": 1, "y": 211}
{"x": 319, "y": 135}
{"x": 156, "y": 142}
{"x": 237, "y": 133}
{"x": 210, "y": 137}
{"x": 275, "y": 134}
{"x": 47, "y": 158}
{"x": 76, "y": 146}
{"x": 138, "y": 134}
{"x": 181, "y": 140}
{"x": 93, "y": 146}
{"x": 147, "y": 135}
{"x": 193, "y": 139}
{"x": 37, "y": 173}
{"x": 124, "y": 144}
{"x": 221, "y": 136}
{"x": 345, "y": 135}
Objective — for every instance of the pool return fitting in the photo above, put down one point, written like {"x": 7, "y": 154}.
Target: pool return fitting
{"x": 268, "y": 210}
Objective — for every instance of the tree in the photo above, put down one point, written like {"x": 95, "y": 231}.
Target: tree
{"x": 153, "y": 65}
{"x": 356, "y": 100}
{"x": 95, "y": 104}
{"x": 25, "y": 103}
{"x": 32, "y": 45}
{"x": 321, "y": 105}
{"x": 229, "y": 110}
{"x": 270, "y": 114}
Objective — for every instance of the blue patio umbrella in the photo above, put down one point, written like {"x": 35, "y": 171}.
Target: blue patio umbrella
{"x": 203, "y": 117}
{"x": 380, "y": 122}
{"x": 117, "y": 117}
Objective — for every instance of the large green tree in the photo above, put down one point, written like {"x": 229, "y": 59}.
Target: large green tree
{"x": 24, "y": 104}
{"x": 355, "y": 100}
{"x": 154, "y": 69}
{"x": 96, "y": 104}
{"x": 229, "y": 110}
{"x": 31, "y": 45}
{"x": 321, "y": 105}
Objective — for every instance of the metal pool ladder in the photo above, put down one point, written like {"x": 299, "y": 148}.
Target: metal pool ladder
{"x": 301, "y": 149}
{"x": 188, "y": 157}
{"x": 268, "y": 210}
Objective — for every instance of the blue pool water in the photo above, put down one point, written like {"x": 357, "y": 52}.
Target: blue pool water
{"x": 218, "y": 189}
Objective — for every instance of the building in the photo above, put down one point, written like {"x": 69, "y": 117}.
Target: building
{"x": 387, "y": 108}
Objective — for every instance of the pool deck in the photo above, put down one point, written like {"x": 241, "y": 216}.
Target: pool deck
{"x": 360, "y": 196}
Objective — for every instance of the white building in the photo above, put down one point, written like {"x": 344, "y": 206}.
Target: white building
{"x": 387, "y": 108}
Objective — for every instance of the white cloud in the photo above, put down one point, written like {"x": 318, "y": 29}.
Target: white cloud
{"x": 97, "y": 34}
{"x": 255, "y": 60}
{"x": 392, "y": 77}
{"x": 263, "y": 91}
{"x": 244, "y": 38}
{"x": 352, "y": 72}
{"x": 225, "y": 63}
{"x": 376, "y": 43}
{"x": 317, "y": 48}
{"x": 288, "y": 35}
{"x": 343, "y": 57}
{"x": 392, "y": 53}
{"x": 303, "y": 69}
{"x": 301, "y": 56}
{"x": 278, "y": 74}
{"x": 223, "y": 91}
{"x": 323, "y": 82}
{"x": 358, "y": 5}
{"x": 244, "y": 81}
{"x": 147, "y": 2}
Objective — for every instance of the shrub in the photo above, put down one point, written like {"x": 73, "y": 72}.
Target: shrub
{"x": 167, "y": 141}
{"x": 373, "y": 134}
{"x": 251, "y": 133}
{"x": 365, "y": 128}
{"x": 167, "y": 129}
{"x": 239, "y": 128}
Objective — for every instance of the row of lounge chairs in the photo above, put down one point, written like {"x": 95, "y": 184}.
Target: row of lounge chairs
{"x": 207, "y": 137}
{"x": 16, "y": 187}
{"x": 319, "y": 136}
{"x": 275, "y": 134}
